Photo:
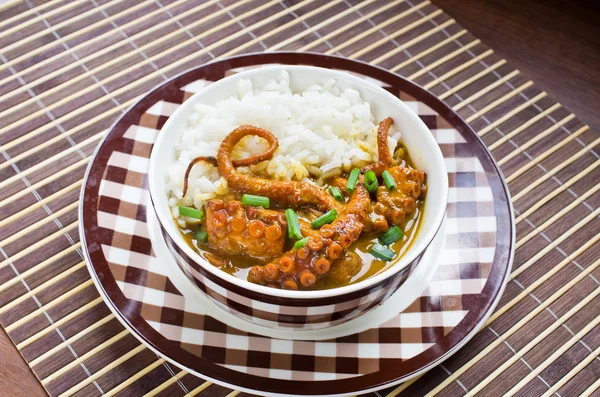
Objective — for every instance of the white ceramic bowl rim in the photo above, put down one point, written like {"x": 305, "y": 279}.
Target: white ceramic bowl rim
{"x": 164, "y": 214}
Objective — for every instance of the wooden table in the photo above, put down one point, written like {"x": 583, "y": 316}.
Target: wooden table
{"x": 557, "y": 44}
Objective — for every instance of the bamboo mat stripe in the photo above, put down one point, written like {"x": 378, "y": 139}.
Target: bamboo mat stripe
{"x": 70, "y": 68}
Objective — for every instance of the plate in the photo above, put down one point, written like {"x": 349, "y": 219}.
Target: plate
{"x": 144, "y": 293}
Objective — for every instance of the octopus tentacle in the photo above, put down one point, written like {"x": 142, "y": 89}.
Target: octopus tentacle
{"x": 383, "y": 150}
{"x": 306, "y": 229}
{"x": 245, "y": 130}
{"x": 236, "y": 163}
{"x": 209, "y": 159}
{"x": 303, "y": 266}
{"x": 340, "y": 183}
{"x": 292, "y": 193}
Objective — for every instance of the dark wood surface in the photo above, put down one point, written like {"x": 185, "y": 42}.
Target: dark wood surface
{"x": 555, "y": 43}
{"x": 16, "y": 379}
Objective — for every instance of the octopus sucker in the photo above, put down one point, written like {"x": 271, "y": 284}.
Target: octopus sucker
{"x": 239, "y": 229}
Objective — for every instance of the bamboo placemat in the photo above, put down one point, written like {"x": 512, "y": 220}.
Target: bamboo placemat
{"x": 70, "y": 68}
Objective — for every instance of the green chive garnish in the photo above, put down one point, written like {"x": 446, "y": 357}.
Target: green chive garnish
{"x": 293, "y": 225}
{"x": 352, "y": 179}
{"x": 191, "y": 212}
{"x": 381, "y": 252}
{"x": 255, "y": 201}
{"x": 391, "y": 236}
{"x": 202, "y": 236}
{"x": 335, "y": 192}
{"x": 324, "y": 219}
{"x": 301, "y": 243}
{"x": 371, "y": 181}
{"x": 389, "y": 180}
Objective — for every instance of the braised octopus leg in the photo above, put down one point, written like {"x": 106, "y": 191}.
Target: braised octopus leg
{"x": 299, "y": 268}
{"x": 306, "y": 229}
{"x": 292, "y": 193}
{"x": 209, "y": 159}
{"x": 383, "y": 150}
{"x": 236, "y": 229}
{"x": 396, "y": 205}
{"x": 236, "y": 163}
{"x": 340, "y": 183}
{"x": 376, "y": 223}
{"x": 392, "y": 207}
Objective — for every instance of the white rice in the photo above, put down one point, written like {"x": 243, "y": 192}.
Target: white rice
{"x": 322, "y": 132}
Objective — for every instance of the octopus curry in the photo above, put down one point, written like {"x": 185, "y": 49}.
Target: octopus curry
{"x": 298, "y": 235}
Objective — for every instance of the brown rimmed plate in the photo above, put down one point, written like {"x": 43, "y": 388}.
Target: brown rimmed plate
{"x": 472, "y": 272}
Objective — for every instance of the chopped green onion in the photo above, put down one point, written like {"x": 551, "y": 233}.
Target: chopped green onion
{"x": 391, "y": 236}
{"x": 255, "y": 201}
{"x": 191, "y": 212}
{"x": 335, "y": 192}
{"x": 381, "y": 252}
{"x": 389, "y": 180}
{"x": 202, "y": 236}
{"x": 371, "y": 181}
{"x": 325, "y": 219}
{"x": 293, "y": 225}
{"x": 352, "y": 179}
{"x": 301, "y": 243}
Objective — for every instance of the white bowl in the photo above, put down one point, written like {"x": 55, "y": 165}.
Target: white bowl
{"x": 302, "y": 309}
